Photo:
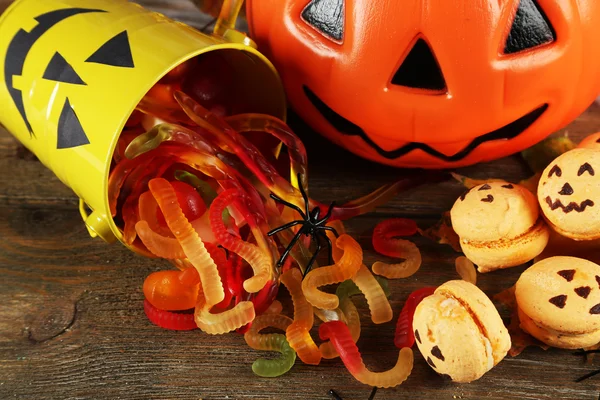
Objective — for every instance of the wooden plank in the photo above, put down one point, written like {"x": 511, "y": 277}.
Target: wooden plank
{"x": 72, "y": 324}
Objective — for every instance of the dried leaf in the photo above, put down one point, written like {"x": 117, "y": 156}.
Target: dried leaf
{"x": 520, "y": 339}
{"x": 532, "y": 183}
{"x": 470, "y": 183}
{"x": 559, "y": 245}
{"x": 443, "y": 233}
{"x": 590, "y": 356}
{"x": 538, "y": 157}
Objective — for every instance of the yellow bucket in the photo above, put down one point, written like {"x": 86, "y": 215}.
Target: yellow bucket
{"x": 73, "y": 71}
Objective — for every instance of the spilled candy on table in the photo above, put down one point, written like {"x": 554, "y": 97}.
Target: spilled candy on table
{"x": 222, "y": 194}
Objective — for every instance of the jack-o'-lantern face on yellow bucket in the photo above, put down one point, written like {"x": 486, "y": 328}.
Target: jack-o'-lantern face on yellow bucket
{"x": 72, "y": 72}
{"x": 75, "y": 87}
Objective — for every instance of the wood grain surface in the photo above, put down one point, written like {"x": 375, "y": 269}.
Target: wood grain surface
{"x": 72, "y": 324}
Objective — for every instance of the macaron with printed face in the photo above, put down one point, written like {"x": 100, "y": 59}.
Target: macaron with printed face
{"x": 459, "y": 332}
{"x": 569, "y": 194}
{"x": 559, "y": 302}
{"x": 499, "y": 225}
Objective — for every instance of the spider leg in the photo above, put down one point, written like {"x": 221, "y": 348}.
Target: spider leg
{"x": 322, "y": 235}
{"x": 284, "y": 227}
{"x": 290, "y": 205}
{"x": 327, "y": 216}
{"x": 330, "y": 229}
{"x": 334, "y": 395}
{"x": 314, "y": 257}
{"x": 304, "y": 195}
{"x": 314, "y": 215}
{"x": 587, "y": 376}
{"x": 373, "y": 393}
{"x": 289, "y": 247}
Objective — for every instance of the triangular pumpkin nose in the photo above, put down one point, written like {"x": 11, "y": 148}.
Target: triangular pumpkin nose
{"x": 420, "y": 69}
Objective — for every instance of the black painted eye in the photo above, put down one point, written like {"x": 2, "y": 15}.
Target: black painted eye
{"x": 115, "y": 53}
{"x": 586, "y": 168}
{"x": 420, "y": 69}
{"x": 59, "y": 70}
{"x": 555, "y": 171}
{"x": 327, "y": 16}
{"x": 530, "y": 29}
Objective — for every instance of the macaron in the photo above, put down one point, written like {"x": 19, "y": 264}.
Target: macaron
{"x": 499, "y": 225}
{"x": 591, "y": 142}
{"x": 569, "y": 194}
{"x": 559, "y": 302}
{"x": 459, "y": 332}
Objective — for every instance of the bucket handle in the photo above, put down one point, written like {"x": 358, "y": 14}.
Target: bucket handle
{"x": 96, "y": 223}
{"x": 85, "y": 216}
{"x": 225, "y": 25}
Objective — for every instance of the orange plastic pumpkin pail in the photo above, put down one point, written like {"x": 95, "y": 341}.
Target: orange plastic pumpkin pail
{"x": 436, "y": 83}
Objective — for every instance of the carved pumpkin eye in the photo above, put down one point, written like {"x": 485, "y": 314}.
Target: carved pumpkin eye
{"x": 531, "y": 28}
{"x": 420, "y": 69}
{"x": 115, "y": 53}
{"x": 326, "y": 16}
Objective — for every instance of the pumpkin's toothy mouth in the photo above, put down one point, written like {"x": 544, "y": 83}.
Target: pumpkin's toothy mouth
{"x": 346, "y": 127}
{"x": 572, "y": 206}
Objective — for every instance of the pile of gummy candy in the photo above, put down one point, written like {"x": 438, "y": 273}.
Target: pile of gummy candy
{"x": 199, "y": 183}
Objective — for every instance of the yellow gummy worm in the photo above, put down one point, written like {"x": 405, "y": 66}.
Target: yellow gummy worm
{"x": 345, "y": 268}
{"x": 379, "y": 305}
{"x": 226, "y": 321}
{"x": 411, "y": 264}
{"x": 189, "y": 240}
{"x": 297, "y": 333}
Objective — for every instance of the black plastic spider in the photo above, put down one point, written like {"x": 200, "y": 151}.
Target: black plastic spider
{"x": 591, "y": 374}
{"x": 311, "y": 226}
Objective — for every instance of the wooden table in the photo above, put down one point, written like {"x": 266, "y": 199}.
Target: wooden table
{"x": 72, "y": 324}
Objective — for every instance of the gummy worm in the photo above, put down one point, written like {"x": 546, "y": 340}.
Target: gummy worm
{"x": 405, "y": 336}
{"x": 190, "y": 242}
{"x": 385, "y": 242}
{"x": 344, "y": 269}
{"x": 353, "y": 321}
{"x": 216, "y": 324}
{"x": 169, "y": 320}
{"x": 297, "y": 333}
{"x": 260, "y": 262}
{"x": 271, "y": 342}
{"x": 340, "y": 337}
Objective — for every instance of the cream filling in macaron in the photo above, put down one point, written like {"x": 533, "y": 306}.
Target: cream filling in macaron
{"x": 505, "y": 242}
{"x": 450, "y": 304}
{"x": 553, "y": 332}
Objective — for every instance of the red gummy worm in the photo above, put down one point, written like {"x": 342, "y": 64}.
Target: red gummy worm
{"x": 169, "y": 320}
{"x": 404, "y": 332}
{"x": 341, "y": 338}
{"x": 223, "y": 265}
{"x": 391, "y": 228}
{"x": 235, "y": 276}
{"x": 263, "y": 299}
